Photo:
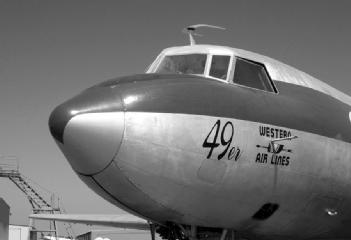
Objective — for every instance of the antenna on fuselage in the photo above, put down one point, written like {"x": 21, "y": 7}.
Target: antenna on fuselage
{"x": 190, "y": 30}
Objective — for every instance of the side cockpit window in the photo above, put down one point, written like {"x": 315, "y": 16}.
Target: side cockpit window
{"x": 183, "y": 64}
{"x": 219, "y": 66}
{"x": 253, "y": 75}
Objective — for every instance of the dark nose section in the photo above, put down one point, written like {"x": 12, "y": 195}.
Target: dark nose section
{"x": 89, "y": 129}
{"x": 90, "y": 101}
{"x": 58, "y": 120}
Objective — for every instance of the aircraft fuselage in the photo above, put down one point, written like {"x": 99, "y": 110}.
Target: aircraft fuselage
{"x": 196, "y": 151}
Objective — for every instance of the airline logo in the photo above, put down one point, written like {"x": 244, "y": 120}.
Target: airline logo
{"x": 273, "y": 153}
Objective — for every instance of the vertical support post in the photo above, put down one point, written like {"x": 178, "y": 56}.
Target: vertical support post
{"x": 152, "y": 231}
{"x": 193, "y": 232}
{"x": 224, "y": 234}
{"x": 233, "y": 235}
{"x": 191, "y": 38}
{"x": 31, "y": 224}
{"x": 33, "y": 235}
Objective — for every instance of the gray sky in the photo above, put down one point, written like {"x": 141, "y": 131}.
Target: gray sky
{"x": 52, "y": 50}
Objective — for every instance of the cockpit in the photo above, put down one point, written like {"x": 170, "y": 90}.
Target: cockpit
{"x": 195, "y": 64}
{"x": 218, "y": 63}
{"x": 193, "y": 60}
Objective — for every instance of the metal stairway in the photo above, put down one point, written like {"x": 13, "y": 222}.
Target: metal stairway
{"x": 37, "y": 202}
{"x": 9, "y": 168}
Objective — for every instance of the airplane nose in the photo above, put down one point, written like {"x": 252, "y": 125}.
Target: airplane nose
{"x": 89, "y": 129}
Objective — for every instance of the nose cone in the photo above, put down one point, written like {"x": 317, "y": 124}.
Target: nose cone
{"x": 89, "y": 129}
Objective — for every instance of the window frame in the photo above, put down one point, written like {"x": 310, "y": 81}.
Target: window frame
{"x": 229, "y": 69}
{"x": 152, "y": 68}
{"x": 159, "y": 60}
{"x": 271, "y": 82}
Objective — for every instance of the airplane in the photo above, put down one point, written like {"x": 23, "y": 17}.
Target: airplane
{"x": 213, "y": 142}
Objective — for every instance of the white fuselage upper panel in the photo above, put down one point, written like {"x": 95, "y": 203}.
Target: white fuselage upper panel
{"x": 277, "y": 70}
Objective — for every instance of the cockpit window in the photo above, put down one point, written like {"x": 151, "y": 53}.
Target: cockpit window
{"x": 252, "y": 74}
{"x": 183, "y": 64}
{"x": 219, "y": 66}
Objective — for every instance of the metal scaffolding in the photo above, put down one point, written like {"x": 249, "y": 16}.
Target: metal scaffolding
{"x": 9, "y": 168}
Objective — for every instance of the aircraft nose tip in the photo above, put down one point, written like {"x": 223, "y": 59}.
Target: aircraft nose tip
{"x": 88, "y": 130}
{"x": 57, "y": 122}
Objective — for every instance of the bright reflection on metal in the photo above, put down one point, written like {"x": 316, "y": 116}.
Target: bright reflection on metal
{"x": 73, "y": 112}
{"x": 350, "y": 116}
{"x": 97, "y": 108}
{"x": 130, "y": 99}
{"x": 331, "y": 212}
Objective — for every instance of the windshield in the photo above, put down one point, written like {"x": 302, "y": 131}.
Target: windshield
{"x": 219, "y": 66}
{"x": 183, "y": 64}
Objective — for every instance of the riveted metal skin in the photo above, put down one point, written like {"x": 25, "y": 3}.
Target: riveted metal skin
{"x": 93, "y": 138}
{"x": 161, "y": 170}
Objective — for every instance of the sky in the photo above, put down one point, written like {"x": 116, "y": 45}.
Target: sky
{"x": 52, "y": 50}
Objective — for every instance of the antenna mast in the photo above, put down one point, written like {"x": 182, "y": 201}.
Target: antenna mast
{"x": 190, "y": 30}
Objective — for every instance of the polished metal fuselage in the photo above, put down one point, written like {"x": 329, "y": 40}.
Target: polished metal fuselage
{"x": 200, "y": 152}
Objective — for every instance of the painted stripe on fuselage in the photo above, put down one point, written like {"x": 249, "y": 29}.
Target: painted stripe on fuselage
{"x": 295, "y": 107}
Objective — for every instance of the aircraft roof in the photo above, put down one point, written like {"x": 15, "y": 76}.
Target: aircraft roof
{"x": 277, "y": 70}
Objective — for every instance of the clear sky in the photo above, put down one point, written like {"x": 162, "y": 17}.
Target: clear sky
{"x": 52, "y": 50}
